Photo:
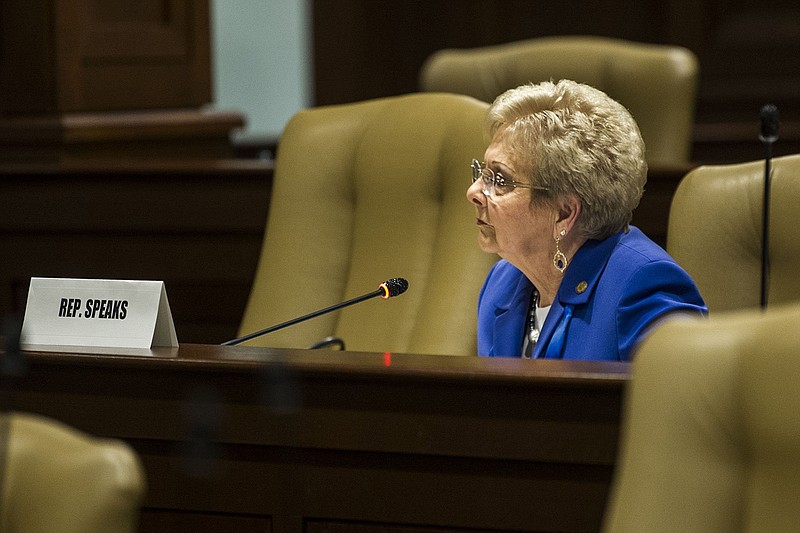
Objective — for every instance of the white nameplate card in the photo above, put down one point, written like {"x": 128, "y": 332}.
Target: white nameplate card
{"x": 97, "y": 313}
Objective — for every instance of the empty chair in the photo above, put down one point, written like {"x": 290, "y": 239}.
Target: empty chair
{"x": 58, "y": 479}
{"x": 362, "y": 193}
{"x": 711, "y": 432}
{"x": 657, "y": 83}
{"x": 715, "y": 232}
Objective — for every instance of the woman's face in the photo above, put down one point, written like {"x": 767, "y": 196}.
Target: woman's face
{"x": 509, "y": 225}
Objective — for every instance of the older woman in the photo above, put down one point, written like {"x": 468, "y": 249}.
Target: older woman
{"x": 554, "y": 197}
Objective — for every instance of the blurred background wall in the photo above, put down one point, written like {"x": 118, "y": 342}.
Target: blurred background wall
{"x": 271, "y": 58}
{"x": 261, "y": 54}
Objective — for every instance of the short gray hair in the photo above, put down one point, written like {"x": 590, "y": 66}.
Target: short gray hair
{"x": 575, "y": 140}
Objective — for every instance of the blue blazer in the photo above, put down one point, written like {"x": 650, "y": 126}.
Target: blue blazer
{"x": 612, "y": 291}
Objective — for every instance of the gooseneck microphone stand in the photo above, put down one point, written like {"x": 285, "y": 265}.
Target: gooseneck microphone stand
{"x": 387, "y": 289}
{"x": 770, "y": 123}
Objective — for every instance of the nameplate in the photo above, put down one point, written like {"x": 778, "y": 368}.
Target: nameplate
{"x": 97, "y": 313}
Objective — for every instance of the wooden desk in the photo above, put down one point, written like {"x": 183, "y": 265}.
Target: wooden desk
{"x": 251, "y": 439}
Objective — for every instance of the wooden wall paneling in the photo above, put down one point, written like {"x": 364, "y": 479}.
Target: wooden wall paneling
{"x": 197, "y": 226}
{"x": 750, "y": 55}
{"x": 83, "y": 79}
{"x": 749, "y": 51}
{"x": 367, "y": 48}
{"x": 96, "y": 55}
{"x": 27, "y": 83}
{"x": 157, "y": 134}
{"x": 143, "y": 55}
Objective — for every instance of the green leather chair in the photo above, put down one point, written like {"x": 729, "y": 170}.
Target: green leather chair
{"x": 711, "y": 433}
{"x": 715, "y": 226}
{"x": 58, "y": 479}
{"x": 362, "y": 193}
{"x": 657, "y": 83}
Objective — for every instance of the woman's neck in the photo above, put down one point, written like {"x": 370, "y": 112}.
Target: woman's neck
{"x": 542, "y": 272}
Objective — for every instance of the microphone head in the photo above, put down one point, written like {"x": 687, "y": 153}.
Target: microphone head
{"x": 393, "y": 287}
{"x": 770, "y": 122}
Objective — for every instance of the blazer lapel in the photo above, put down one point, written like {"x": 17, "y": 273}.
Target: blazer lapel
{"x": 510, "y": 320}
{"x": 578, "y": 284}
{"x": 553, "y": 317}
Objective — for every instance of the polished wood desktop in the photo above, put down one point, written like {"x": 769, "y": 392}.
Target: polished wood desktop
{"x": 256, "y": 439}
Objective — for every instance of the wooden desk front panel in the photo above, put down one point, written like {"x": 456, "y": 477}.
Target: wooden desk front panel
{"x": 266, "y": 440}
{"x": 197, "y": 225}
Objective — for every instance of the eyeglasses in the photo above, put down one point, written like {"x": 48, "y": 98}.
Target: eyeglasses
{"x": 494, "y": 183}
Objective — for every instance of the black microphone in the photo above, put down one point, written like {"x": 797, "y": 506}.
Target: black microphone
{"x": 770, "y": 123}
{"x": 387, "y": 289}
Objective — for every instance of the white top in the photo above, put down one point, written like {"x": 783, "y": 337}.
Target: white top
{"x": 532, "y": 334}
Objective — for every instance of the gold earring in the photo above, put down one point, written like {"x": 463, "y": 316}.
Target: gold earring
{"x": 560, "y": 260}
